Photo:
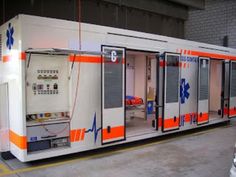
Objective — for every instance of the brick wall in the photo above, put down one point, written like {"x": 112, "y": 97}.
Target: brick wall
{"x": 212, "y": 24}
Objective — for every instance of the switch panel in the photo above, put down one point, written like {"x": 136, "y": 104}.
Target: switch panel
{"x": 47, "y": 84}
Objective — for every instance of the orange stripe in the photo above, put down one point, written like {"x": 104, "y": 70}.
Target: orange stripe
{"x": 74, "y": 135}
{"x": 20, "y": 141}
{"x": 6, "y": 58}
{"x": 180, "y": 64}
{"x": 23, "y": 56}
{"x": 213, "y": 55}
{"x": 232, "y": 111}
{"x": 88, "y": 59}
{"x": 116, "y": 132}
{"x": 85, "y": 59}
{"x": 226, "y": 111}
{"x": 162, "y": 63}
{"x": 77, "y": 135}
{"x": 170, "y": 123}
{"x": 82, "y": 134}
{"x": 160, "y": 122}
{"x": 203, "y": 118}
{"x": 187, "y": 117}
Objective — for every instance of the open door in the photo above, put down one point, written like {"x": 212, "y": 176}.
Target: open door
{"x": 4, "y": 118}
{"x": 203, "y": 90}
{"x": 225, "y": 89}
{"x": 232, "y": 90}
{"x": 171, "y": 92}
{"x": 113, "y": 94}
{"x": 158, "y": 105}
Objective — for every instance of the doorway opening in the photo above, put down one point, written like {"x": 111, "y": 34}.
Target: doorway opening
{"x": 216, "y": 89}
{"x": 141, "y": 81}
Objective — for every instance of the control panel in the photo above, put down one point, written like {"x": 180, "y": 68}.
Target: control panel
{"x": 47, "y": 84}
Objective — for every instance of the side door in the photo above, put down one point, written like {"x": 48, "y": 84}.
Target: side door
{"x": 171, "y": 91}
{"x": 232, "y": 89}
{"x": 113, "y": 94}
{"x": 203, "y": 90}
{"x": 225, "y": 89}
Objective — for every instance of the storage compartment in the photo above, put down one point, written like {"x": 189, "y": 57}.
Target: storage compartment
{"x": 47, "y": 136}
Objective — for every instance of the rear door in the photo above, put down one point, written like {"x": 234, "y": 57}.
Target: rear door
{"x": 171, "y": 92}
{"x": 232, "y": 90}
{"x": 113, "y": 94}
{"x": 203, "y": 90}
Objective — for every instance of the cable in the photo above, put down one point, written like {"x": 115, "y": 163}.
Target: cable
{"x": 78, "y": 76}
{"x": 79, "y": 21}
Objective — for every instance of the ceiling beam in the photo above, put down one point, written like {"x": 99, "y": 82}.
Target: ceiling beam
{"x": 162, "y": 7}
{"x": 198, "y": 4}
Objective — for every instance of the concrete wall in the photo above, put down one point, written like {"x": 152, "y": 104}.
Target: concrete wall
{"x": 212, "y": 24}
{"x": 158, "y": 16}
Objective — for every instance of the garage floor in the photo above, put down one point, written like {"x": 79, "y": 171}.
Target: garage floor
{"x": 196, "y": 154}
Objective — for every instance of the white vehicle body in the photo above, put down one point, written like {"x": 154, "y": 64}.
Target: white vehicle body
{"x": 233, "y": 168}
{"x": 54, "y": 104}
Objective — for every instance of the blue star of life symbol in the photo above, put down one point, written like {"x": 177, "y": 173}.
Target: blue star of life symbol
{"x": 149, "y": 105}
{"x": 10, "y": 39}
{"x": 184, "y": 91}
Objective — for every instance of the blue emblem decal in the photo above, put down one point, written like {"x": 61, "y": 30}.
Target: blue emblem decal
{"x": 94, "y": 128}
{"x": 184, "y": 91}
{"x": 10, "y": 39}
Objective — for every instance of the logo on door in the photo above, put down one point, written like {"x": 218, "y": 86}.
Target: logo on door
{"x": 184, "y": 90}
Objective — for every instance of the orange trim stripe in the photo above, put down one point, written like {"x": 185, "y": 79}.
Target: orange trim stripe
{"x": 232, "y": 111}
{"x": 212, "y": 55}
{"x": 160, "y": 122}
{"x": 6, "y": 58}
{"x": 88, "y": 59}
{"x": 203, "y": 118}
{"x": 23, "y": 56}
{"x": 187, "y": 119}
{"x": 72, "y": 135}
{"x": 170, "y": 123}
{"x": 85, "y": 59}
{"x": 19, "y": 141}
{"x": 82, "y": 134}
{"x": 115, "y": 132}
{"x": 226, "y": 111}
{"x": 75, "y": 135}
{"x": 162, "y": 63}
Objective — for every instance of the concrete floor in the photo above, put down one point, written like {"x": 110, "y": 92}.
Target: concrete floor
{"x": 203, "y": 154}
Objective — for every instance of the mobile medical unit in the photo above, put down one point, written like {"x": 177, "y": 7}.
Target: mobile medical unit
{"x": 122, "y": 86}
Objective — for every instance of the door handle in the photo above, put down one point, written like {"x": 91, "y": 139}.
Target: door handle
{"x": 158, "y": 106}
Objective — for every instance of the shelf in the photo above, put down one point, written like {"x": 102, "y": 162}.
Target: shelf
{"x": 48, "y": 121}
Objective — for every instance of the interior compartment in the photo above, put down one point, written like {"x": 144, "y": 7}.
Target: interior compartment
{"x": 215, "y": 88}
{"x": 140, "y": 92}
